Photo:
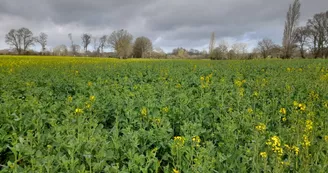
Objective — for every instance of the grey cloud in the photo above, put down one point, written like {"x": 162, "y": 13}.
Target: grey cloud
{"x": 186, "y": 23}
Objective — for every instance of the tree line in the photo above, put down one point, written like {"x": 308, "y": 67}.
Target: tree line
{"x": 309, "y": 41}
{"x": 121, "y": 41}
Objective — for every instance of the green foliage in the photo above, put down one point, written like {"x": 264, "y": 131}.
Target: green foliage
{"x": 104, "y": 115}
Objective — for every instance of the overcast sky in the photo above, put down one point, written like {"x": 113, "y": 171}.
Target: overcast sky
{"x": 168, "y": 23}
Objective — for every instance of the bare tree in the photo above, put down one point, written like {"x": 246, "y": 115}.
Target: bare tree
{"x": 27, "y": 38}
{"x": 96, "y": 45}
{"x": 318, "y": 34}
{"x": 212, "y": 43}
{"x": 142, "y": 46}
{"x": 86, "y": 40}
{"x": 302, "y": 35}
{"x": 238, "y": 50}
{"x": 221, "y": 52}
{"x": 158, "y": 53}
{"x": 42, "y": 40}
{"x": 291, "y": 23}
{"x": 72, "y": 43}
{"x": 102, "y": 43}
{"x": 14, "y": 39}
{"x": 265, "y": 47}
{"x": 60, "y": 50}
{"x": 21, "y": 39}
{"x": 121, "y": 42}
{"x": 76, "y": 48}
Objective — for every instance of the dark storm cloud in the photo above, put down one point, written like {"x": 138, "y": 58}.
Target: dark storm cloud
{"x": 169, "y": 23}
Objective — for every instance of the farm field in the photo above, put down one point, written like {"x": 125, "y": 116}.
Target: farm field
{"x": 107, "y": 115}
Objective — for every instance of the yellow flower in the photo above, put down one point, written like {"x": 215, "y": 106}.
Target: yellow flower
{"x": 284, "y": 119}
{"x": 306, "y": 142}
{"x": 78, "y": 111}
{"x": 313, "y": 95}
{"x": 326, "y": 138}
{"x": 263, "y": 154}
{"x": 202, "y": 78}
{"x": 289, "y": 69}
{"x": 89, "y": 84}
{"x": 165, "y": 109}
{"x": 76, "y": 72}
{"x": 285, "y": 163}
{"x": 250, "y": 110}
{"x": 144, "y": 111}
{"x": 92, "y": 98}
{"x": 179, "y": 140}
{"x": 283, "y": 111}
{"x": 239, "y": 83}
{"x": 196, "y": 139}
{"x": 275, "y": 144}
{"x": 261, "y": 127}
{"x": 176, "y": 171}
{"x": 241, "y": 92}
{"x": 295, "y": 103}
{"x": 87, "y": 105}
{"x": 325, "y": 104}
{"x": 70, "y": 98}
{"x": 302, "y": 106}
{"x": 296, "y": 149}
{"x": 157, "y": 121}
{"x": 308, "y": 125}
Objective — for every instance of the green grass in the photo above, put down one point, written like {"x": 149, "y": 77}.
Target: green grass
{"x": 68, "y": 114}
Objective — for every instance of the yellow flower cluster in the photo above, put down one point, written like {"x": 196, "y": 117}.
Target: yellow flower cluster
{"x": 88, "y": 105}
{"x": 275, "y": 144}
{"x": 324, "y": 77}
{"x": 179, "y": 141}
{"x": 92, "y": 98}
{"x": 205, "y": 81}
{"x": 306, "y": 141}
{"x": 308, "y": 126}
{"x": 300, "y": 106}
{"x": 157, "y": 121}
{"x": 263, "y": 154}
{"x": 326, "y": 138}
{"x": 285, "y": 163}
{"x": 70, "y": 99}
{"x": 313, "y": 95}
{"x": 144, "y": 111}
{"x": 250, "y": 110}
{"x": 175, "y": 170}
{"x": 241, "y": 92}
{"x": 165, "y": 109}
{"x": 283, "y": 111}
{"x": 240, "y": 83}
{"x": 196, "y": 139}
{"x": 78, "y": 111}
{"x": 89, "y": 84}
{"x": 261, "y": 127}
{"x": 295, "y": 149}
{"x": 325, "y": 104}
